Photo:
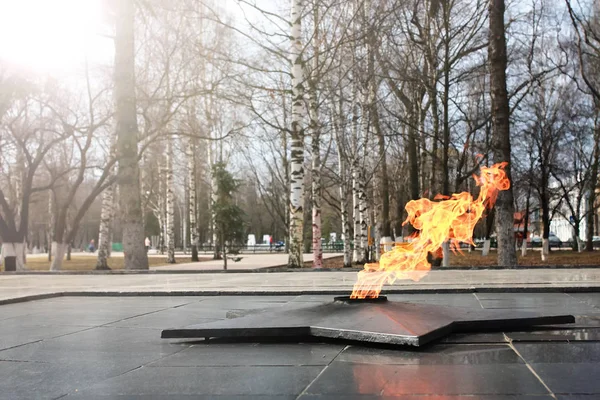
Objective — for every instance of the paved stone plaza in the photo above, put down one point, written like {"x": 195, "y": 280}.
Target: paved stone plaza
{"x": 14, "y": 286}
{"x": 110, "y": 348}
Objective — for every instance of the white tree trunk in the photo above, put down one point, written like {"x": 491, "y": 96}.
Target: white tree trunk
{"x": 191, "y": 159}
{"x": 213, "y": 200}
{"x": 52, "y": 216}
{"x": 545, "y": 249}
{"x": 524, "y": 248}
{"x": 59, "y": 250}
{"x": 295, "y": 259}
{"x": 363, "y": 216}
{"x": 344, "y": 209}
{"x": 170, "y": 204}
{"x": 106, "y": 217}
{"x": 16, "y": 250}
{"x": 315, "y": 129}
{"x": 357, "y": 250}
{"x": 486, "y": 247}
{"x": 446, "y": 253}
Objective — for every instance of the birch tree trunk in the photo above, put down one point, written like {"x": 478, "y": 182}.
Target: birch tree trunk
{"x": 358, "y": 249}
{"x": 213, "y": 200}
{"x": 507, "y": 254}
{"x": 191, "y": 159}
{"x": 344, "y": 212}
{"x": 363, "y": 209}
{"x": 50, "y": 224}
{"x": 295, "y": 259}
{"x": 130, "y": 200}
{"x": 315, "y": 130}
{"x": 106, "y": 217}
{"x": 170, "y": 209}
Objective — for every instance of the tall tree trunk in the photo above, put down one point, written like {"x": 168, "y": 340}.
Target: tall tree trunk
{"x": 363, "y": 213}
{"x": 295, "y": 259}
{"x": 191, "y": 159}
{"x": 545, "y": 206}
{"x": 162, "y": 207}
{"x": 413, "y": 161}
{"x": 52, "y": 216}
{"x": 106, "y": 216}
{"x": 526, "y": 223}
{"x": 130, "y": 201}
{"x": 591, "y": 199}
{"x": 501, "y": 132}
{"x": 344, "y": 216}
{"x": 170, "y": 204}
{"x": 217, "y": 244}
{"x": 315, "y": 130}
{"x": 357, "y": 253}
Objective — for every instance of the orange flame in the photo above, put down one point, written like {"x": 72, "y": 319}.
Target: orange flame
{"x": 452, "y": 218}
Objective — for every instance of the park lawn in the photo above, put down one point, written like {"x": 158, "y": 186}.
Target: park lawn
{"x": 475, "y": 259}
{"x": 88, "y": 263}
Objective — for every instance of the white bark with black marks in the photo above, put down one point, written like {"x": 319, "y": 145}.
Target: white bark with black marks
{"x": 170, "y": 211}
{"x": 191, "y": 179}
{"x": 296, "y": 244}
{"x": 104, "y": 236}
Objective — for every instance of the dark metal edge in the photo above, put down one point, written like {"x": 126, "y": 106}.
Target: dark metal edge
{"x": 253, "y": 333}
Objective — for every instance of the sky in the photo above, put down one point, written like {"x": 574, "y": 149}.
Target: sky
{"x": 56, "y": 36}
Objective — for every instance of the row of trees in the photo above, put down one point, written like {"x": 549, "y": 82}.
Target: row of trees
{"x": 353, "y": 107}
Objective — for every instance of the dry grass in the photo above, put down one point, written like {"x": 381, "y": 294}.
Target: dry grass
{"x": 475, "y": 259}
{"x": 88, "y": 263}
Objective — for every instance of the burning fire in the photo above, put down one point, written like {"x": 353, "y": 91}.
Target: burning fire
{"x": 452, "y": 219}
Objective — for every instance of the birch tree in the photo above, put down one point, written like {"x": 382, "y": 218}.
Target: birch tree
{"x": 296, "y": 245}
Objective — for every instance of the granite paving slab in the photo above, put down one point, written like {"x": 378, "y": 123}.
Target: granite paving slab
{"x": 396, "y": 380}
{"x": 218, "y": 381}
{"x": 571, "y": 378}
{"x": 442, "y": 354}
{"x": 203, "y": 355}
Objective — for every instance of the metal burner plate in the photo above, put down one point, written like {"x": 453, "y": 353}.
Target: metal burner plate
{"x": 383, "y": 323}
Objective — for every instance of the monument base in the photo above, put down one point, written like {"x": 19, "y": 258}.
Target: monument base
{"x": 384, "y": 322}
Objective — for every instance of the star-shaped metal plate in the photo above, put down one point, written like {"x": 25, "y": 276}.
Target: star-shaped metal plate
{"x": 389, "y": 322}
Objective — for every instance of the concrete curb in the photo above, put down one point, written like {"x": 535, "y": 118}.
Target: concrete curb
{"x": 333, "y": 292}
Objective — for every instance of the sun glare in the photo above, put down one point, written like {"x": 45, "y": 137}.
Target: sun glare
{"x": 51, "y": 35}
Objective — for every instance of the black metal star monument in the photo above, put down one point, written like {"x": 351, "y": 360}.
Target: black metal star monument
{"x": 369, "y": 320}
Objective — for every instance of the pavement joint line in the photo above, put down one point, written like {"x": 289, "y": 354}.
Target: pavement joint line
{"x": 321, "y": 372}
{"x": 539, "y": 378}
{"x": 478, "y": 300}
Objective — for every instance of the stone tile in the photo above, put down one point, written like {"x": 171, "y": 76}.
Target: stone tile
{"x": 556, "y": 335}
{"x": 108, "y": 346}
{"x": 451, "y": 300}
{"x": 575, "y": 352}
{"x": 397, "y": 380}
{"x": 204, "y": 355}
{"x": 592, "y": 299}
{"x": 466, "y": 338}
{"x": 213, "y": 381}
{"x": 170, "y": 318}
{"x": 423, "y": 397}
{"x": 587, "y": 320}
{"x": 41, "y": 381}
{"x": 179, "y": 397}
{"x": 569, "y": 378}
{"x": 439, "y": 354}
{"x": 15, "y": 334}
